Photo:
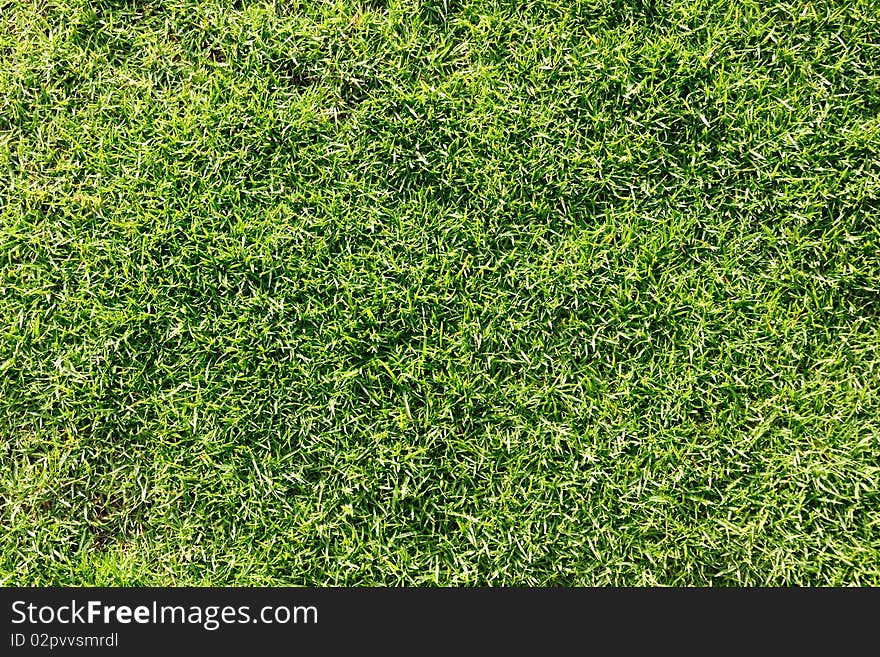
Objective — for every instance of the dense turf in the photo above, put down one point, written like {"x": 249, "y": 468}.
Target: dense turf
{"x": 440, "y": 291}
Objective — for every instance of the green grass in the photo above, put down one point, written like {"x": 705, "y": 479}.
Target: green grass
{"x": 440, "y": 292}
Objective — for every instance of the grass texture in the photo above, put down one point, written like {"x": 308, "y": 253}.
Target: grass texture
{"x": 440, "y": 292}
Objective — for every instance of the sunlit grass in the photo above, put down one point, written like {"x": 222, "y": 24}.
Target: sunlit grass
{"x": 439, "y": 292}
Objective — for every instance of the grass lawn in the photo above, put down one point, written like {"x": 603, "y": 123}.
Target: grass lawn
{"x": 459, "y": 292}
